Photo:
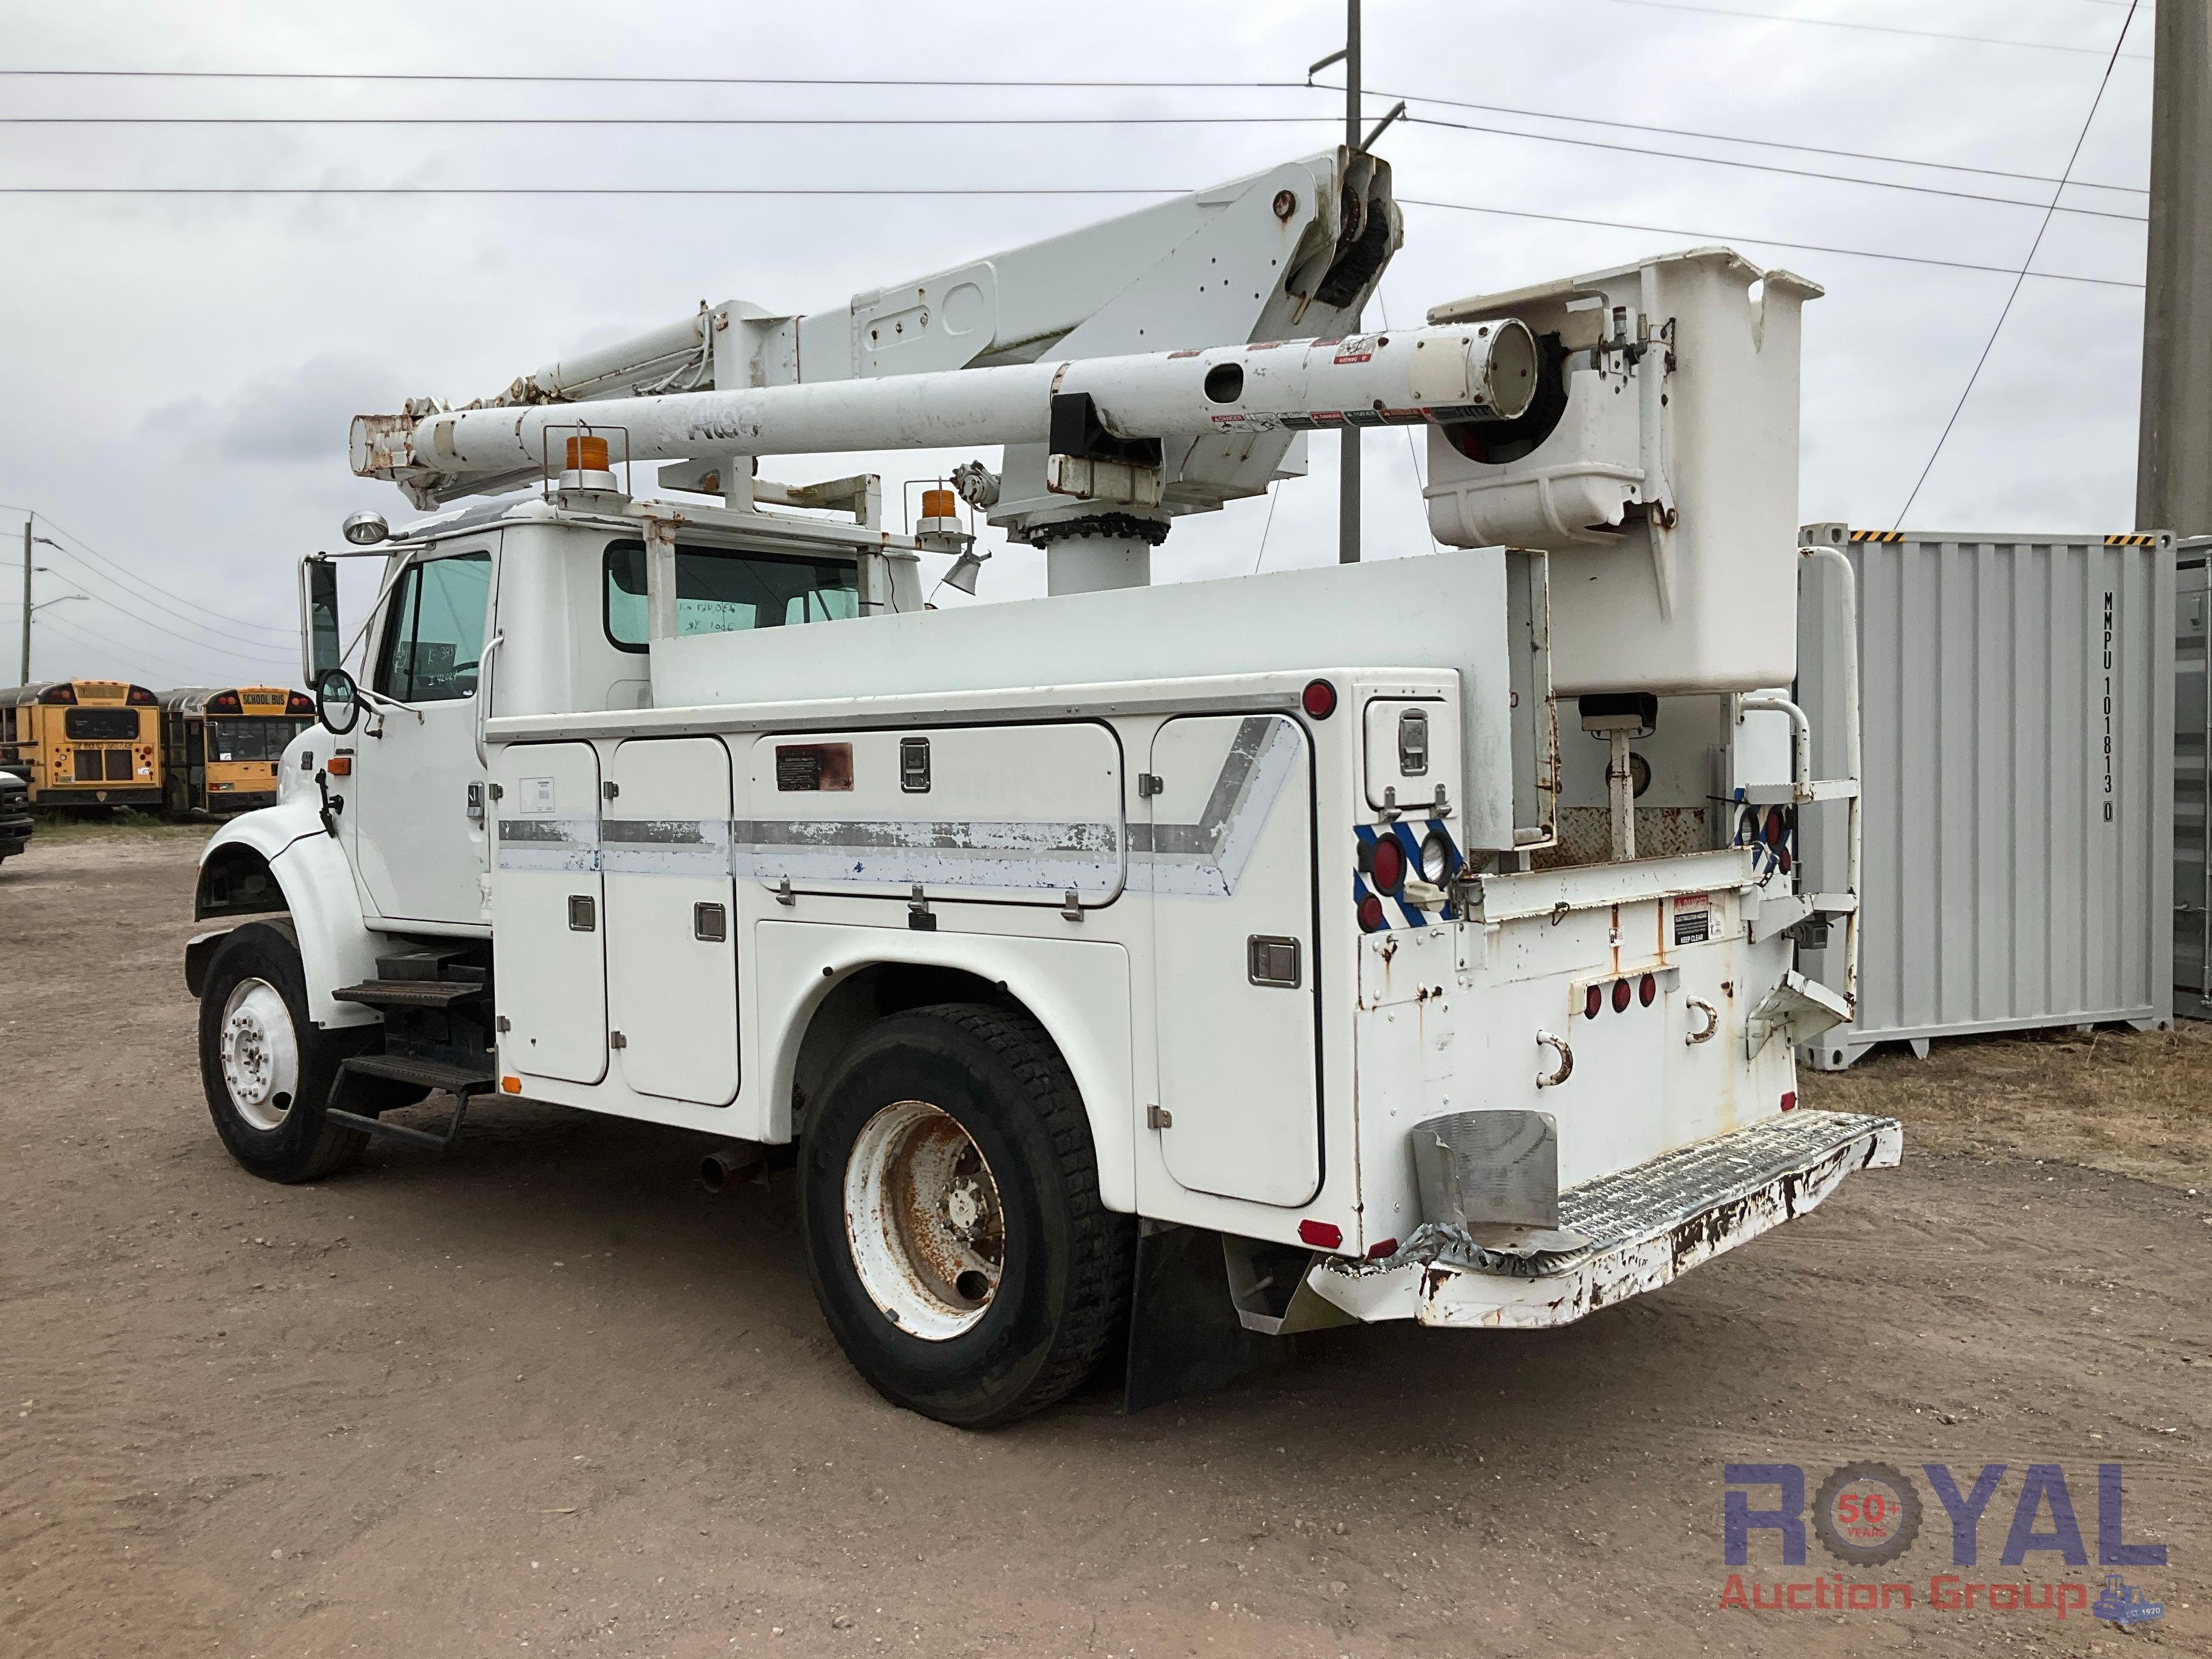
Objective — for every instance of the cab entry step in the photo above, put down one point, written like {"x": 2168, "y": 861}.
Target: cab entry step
{"x": 460, "y": 1081}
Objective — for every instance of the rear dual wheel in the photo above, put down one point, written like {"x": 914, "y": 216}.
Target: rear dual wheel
{"x": 949, "y": 1200}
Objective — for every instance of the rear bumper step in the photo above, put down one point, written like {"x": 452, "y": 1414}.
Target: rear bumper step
{"x": 1646, "y": 1226}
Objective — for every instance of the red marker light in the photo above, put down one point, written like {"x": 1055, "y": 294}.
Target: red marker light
{"x": 1790, "y": 1101}
{"x": 1593, "y": 999}
{"x": 1318, "y": 699}
{"x": 1388, "y": 873}
{"x": 1646, "y": 988}
{"x": 1370, "y": 915}
{"x": 1620, "y": 996}
{"x": 1321, "y": 1235}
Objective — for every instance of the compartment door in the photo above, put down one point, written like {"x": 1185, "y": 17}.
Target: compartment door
{"x": 547, "y": 920}
{"x": 671, "y": 918}
{"x": 1231, "y": 868}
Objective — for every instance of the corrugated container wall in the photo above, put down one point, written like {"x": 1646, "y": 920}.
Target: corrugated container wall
{"x": 2192, "y": 750}
{"x": 2017, "y": 746}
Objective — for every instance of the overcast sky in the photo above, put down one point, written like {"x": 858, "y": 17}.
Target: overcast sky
{"x": 180, "y": 369}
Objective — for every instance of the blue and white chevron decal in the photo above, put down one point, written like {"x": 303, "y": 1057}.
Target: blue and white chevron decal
{"x": 1409, "y": 833}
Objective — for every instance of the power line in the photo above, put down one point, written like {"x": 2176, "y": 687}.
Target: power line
{"x": 1766, "y": 166}
{"x": 1764, "y": 242}
{"x": 665, "y": 120}
{"x": 711, "y": 190}
{"x": 2081, "y": 138}
{"x": 1763, "y": 144}
{"x": 649, "y": 121}
{"x": 506, "y": 79}
{"x": 408, "y": 77}
{"x": 1871, "y": 28}
{"x": 86, "y": 573}
{"x": 147, "y": 582}
{"x": 579, "y": 190}
{"x": 128, "y": 652}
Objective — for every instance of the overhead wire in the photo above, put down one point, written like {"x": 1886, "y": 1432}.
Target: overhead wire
{"x": 651, "y": 121}
{"x": 126, "y": 653}
{"x": 244, "y": 649}
{"x": 878, "y": 82}
{"x": 1869, "y": 28}
{"x": 1988, "y": 345}
{"x": 149, "y": 583}
{"x": 1765, "y": 241}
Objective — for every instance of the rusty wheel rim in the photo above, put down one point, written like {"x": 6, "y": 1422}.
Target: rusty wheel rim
{"x": 924, "y": 1221}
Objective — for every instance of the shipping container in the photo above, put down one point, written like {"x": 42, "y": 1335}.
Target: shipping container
{"x": 2017, "y": 728}
{"x": 2193, "y": 744}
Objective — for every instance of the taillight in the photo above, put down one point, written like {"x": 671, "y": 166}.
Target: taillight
{"x": 1318, "y": 699}
{"x": 1321, "y": 1235}
{"x": 1646, "y": 988}
{"x": 1620, "y": 996}
{"x": 1593, "y": 999}
{"x": 1388, "y": 871}
{"x": 1370, "y": 915}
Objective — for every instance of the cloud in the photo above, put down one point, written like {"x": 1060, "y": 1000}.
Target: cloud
{"x": 292, "y": 417}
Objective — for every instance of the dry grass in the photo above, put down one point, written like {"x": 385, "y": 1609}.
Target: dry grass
{"x": 2134, "y": 1102}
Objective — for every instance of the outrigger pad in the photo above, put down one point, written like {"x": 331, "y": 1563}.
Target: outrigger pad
{"x": 1185, "y": 1337}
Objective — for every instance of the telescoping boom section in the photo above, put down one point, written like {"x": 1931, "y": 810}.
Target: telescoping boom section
{"x": 1125, "y": 977}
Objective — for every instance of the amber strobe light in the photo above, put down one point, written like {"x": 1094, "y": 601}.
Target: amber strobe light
{"x": 939, "y": 504}
{"x": 587, "y": 454}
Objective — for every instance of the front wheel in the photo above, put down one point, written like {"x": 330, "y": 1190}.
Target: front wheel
{"x": 949, "y": 1198}
{"x": 267, "y": 1070}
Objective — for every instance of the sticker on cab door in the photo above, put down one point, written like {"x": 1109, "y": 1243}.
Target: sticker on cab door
{"x": 536, "y": 795}
{"x": 1693, "y": 919}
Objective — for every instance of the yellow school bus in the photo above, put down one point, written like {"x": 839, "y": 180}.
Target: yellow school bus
{"x": 84, "y": 743}
{"x": 221, "y": 746}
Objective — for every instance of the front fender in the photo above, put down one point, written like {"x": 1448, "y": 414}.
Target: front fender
{"x": 312, "y": 881}
{"x": 1078, "y": 990}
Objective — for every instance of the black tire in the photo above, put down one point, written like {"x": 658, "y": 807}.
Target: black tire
{"x": 1061, "y": 1301}
{"x": 303, "y": 1145}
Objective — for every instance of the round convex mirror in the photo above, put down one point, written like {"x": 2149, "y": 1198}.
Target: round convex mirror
{"x": 338, "y": 701}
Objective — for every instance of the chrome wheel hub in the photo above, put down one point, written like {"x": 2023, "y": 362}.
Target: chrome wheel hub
{"x": 260, "y": 1054}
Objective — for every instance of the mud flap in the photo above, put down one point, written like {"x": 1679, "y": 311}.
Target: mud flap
{"x": 1185, "y": 1336}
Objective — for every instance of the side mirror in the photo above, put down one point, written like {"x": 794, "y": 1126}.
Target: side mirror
{"x": 319, "y": 615}
{"x": 337, "y": 701}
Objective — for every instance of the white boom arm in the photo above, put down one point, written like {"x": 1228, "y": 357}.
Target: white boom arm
{"x": 1465, "y": 372}
{"x": 1294, "y": 251}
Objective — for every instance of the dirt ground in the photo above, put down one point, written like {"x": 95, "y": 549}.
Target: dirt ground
{"x": 544, "y": 1395}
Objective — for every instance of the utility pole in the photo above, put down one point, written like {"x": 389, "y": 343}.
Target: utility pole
{"x": 2174, "y": 466}
{"x": 26, "y": 680}
{"x": 1347, "y": 506}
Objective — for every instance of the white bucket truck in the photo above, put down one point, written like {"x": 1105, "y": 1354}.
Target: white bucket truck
{"x": 1141, "y": 974}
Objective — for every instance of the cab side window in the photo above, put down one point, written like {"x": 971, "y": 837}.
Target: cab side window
{"x": 433, "y": 631}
